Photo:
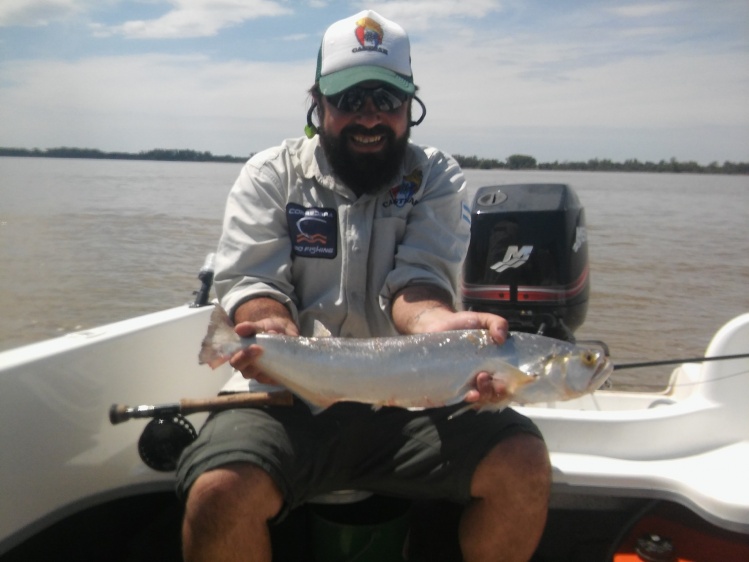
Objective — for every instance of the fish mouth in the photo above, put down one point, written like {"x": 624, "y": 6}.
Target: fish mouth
{"x": 602, "y": 373}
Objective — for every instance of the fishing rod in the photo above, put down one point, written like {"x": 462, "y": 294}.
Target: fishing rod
{"x": 119, "y": 413}
{"x": 621, "y": 366}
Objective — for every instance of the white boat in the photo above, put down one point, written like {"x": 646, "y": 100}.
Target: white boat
{"x": 664, "y": 473}
{"x": 614, "y": 453}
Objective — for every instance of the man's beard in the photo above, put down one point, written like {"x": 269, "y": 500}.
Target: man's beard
{"x": 365, "y": 173}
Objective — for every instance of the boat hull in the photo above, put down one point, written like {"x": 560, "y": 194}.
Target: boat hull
{"x": 612, "y": 452}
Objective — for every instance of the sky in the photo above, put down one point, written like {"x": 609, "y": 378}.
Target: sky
{"x": 559, "y": 80}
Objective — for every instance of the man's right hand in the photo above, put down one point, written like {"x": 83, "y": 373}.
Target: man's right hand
{"x": 252, "y": 322}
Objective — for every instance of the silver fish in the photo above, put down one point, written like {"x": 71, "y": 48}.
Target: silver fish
{"x": 415, "y": 371}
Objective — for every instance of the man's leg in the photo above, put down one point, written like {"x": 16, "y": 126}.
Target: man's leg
{"x": 510, "y": 487}
{"x": 227, "y": 514}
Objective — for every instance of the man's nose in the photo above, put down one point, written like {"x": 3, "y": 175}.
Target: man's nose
{"x": 369, "y": 112}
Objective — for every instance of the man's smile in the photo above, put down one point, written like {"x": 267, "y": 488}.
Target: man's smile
{"x": 364, "y": 150}
{"x": 367, "y": 139}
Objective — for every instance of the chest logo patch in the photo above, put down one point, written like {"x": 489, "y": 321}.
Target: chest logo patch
{"x": 403, "y": 193}
{"x": 313, "y": 231}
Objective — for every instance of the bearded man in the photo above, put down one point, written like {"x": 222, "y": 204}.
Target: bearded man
{"x": 355, "y": 227}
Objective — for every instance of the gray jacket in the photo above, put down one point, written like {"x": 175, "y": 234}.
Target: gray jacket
{"x": 295, "y": 233}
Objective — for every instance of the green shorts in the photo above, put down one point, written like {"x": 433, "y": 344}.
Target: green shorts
{"x": 392, "y": 451}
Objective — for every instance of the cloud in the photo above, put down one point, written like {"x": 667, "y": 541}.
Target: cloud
{"x": 296, "y": 37}
{"x": 576, "y": 84}
{"x": 153, "y": 101}
{"x": 654, "y": 107}
{"x": 33, "y": 13}
{"x": 195, "y": 18}
{"x": 422, "y": 14}
{"x": 510, "y": 83}
{"x": 646, "y": 10}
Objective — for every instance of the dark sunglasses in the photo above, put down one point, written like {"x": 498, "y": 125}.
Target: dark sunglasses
{"x": 353, "y": 99}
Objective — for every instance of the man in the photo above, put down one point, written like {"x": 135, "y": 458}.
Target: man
{"x": 365, "y": 232}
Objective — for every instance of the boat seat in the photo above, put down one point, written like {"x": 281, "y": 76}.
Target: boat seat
{"x": 340, "y": 497}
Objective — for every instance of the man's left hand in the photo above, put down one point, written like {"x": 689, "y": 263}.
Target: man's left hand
{"x": 487, "y": 391}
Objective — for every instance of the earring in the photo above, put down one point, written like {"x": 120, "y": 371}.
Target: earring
{"x": 309, "y": 129}
{"x": 423, "y": 113}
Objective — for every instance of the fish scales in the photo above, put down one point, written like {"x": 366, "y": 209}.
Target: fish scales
{"x": 414, "y": 371}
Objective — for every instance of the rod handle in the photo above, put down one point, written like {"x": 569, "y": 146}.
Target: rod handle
{"x": 119, "y": 413}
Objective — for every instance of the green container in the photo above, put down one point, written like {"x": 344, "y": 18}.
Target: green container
{"x": 373, "y": 530}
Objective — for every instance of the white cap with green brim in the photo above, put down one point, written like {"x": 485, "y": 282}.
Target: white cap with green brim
{"x": 364, "y": 47}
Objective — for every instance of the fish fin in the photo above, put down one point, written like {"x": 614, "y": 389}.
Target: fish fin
{"x": 319, "y": 330}
{"x": 490, "y": 407}
{"x": 376, "y": 406}
{"x": 379, "y": 405}
{"x": 314, "y": 408}
{"x": 515, "y": 379}
{"x": 512, "y": 378}
{"x": 462, "y": 410}
{"x": 220, "y": 331}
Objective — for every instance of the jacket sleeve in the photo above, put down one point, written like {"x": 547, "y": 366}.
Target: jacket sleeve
{"x": 253, "y": 258}
{"x": 437, "y": 233}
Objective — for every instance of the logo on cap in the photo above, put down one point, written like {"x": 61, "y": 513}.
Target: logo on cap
{"x": 369, "y": 34}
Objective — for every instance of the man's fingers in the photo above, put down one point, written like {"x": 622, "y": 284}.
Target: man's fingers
{"x": 246, "y": 329}
{"x": 244, "y": 361}
{"x": 488, "y": 390}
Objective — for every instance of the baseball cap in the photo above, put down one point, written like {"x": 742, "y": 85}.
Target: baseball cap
{"x": 363, "y": 47}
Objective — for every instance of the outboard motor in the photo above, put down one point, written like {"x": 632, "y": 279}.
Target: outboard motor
{"x": 528, "y": 258}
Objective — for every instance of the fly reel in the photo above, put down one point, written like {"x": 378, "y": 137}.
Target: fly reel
{"x": 168, "y": 433}
{"x": 163, "y": 440}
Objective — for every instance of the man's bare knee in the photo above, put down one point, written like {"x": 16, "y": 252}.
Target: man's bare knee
{"x": 227, "y": 513}
{"x": 510, "y": 488}
{"x": 232, "y": 489}
{"x": 515, "y": 461}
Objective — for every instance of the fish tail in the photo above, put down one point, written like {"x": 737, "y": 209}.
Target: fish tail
{"x": 220, "y": 340}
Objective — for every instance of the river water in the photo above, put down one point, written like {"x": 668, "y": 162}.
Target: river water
{"x": 88, "y": 242}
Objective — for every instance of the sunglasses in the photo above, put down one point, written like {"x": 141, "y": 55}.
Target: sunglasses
{"x": 383, "y": 98}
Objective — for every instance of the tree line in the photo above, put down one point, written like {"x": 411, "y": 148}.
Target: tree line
{"x": 525, "y": 162}
{"x": 513, "y": 162}
{"x": 160, "y": 154}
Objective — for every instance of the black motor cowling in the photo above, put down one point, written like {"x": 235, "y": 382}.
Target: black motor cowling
{"x": 528, "y": 258}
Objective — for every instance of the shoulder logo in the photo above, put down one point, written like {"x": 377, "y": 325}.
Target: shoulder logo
{"x": 403, "y": 193}
{"x": 369, "y": 34}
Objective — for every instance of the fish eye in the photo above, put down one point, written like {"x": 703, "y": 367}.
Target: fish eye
{"x": 589, "y": 358}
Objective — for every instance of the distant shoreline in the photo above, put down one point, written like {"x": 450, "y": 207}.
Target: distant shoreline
{"x": 161, "y": 155}
{"x": 514, "y": 162}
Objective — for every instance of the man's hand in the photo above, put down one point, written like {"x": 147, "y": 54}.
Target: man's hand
{"x": 487, "y": 391}
{"x": 252, "y": 320}
{"x": 436, "y": 320}
{"x": 423, "y": 309}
